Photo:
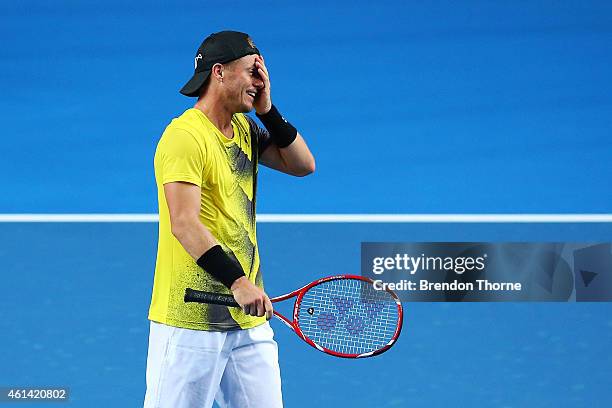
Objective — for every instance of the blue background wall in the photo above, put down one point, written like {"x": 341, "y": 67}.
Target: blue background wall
{"x": 413, "y": 107}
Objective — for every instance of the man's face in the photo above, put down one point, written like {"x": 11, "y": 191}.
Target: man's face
{"x": 241, "y": 83}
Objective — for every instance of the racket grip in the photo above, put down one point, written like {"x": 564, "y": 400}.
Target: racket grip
{"x": 192, "y": 295}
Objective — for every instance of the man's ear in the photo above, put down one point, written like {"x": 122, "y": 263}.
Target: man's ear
{"x": 217, "y": 72}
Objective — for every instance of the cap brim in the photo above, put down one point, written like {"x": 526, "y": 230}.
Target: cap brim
{"x": 192, "y": 87}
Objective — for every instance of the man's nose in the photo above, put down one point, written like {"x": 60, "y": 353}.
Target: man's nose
{"x": 258, "y": 83}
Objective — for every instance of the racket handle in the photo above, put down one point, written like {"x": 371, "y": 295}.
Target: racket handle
{"x": 192, "y": 295}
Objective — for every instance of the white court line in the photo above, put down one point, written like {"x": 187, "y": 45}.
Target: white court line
{"x": 333, "y": 218}
{"x": 435, "y": 218}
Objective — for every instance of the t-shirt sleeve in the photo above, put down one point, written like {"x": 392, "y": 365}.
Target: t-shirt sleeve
{"x": 180, "y": 157}
{"x": 261, "y": 135}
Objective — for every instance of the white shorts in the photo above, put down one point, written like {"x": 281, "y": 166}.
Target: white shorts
{"x": 192, "y": 368}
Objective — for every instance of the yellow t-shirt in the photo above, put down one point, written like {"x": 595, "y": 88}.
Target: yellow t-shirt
{"x": 193, "y": 150}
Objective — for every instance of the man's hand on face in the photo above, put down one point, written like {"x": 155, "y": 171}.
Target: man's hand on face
{"x": 263, "y": 101}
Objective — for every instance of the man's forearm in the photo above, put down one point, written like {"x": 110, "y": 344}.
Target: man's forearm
{"x": 199, "y": 242}
{"x": 297, "y": 157}
{"x": 194, "y": 237}
{"x": 208, "y": 254}
{"x": 292, "y": 149}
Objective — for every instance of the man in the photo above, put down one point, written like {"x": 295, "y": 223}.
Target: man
{"x": 206, "y": 174}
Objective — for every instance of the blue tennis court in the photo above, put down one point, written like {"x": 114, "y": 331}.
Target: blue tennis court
{"x": 75, "y": 315}
{"x": 446, "y": 107}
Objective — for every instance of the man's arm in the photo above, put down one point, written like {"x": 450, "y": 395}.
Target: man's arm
{"x": 288, "y": 151}
{"x": 184, "y": 206}
{"x": 295, "y": 159}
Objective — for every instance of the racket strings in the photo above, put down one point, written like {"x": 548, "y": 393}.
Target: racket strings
{"x": 348, "y": 316}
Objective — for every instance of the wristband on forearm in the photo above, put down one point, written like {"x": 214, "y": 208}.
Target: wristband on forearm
{"x": 216, "y": 262}
{"x": 282, "y": 132}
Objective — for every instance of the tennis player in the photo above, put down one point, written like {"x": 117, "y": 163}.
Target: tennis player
{"x": 206, "y": 173}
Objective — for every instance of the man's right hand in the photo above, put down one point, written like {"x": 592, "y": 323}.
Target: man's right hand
{"x": 252, "y": 299}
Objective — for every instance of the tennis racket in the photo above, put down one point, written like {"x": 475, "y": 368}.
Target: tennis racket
{"x": 340, "y": 315}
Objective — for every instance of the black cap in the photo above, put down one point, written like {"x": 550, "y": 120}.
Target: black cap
{"x": 217, "y": 48}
